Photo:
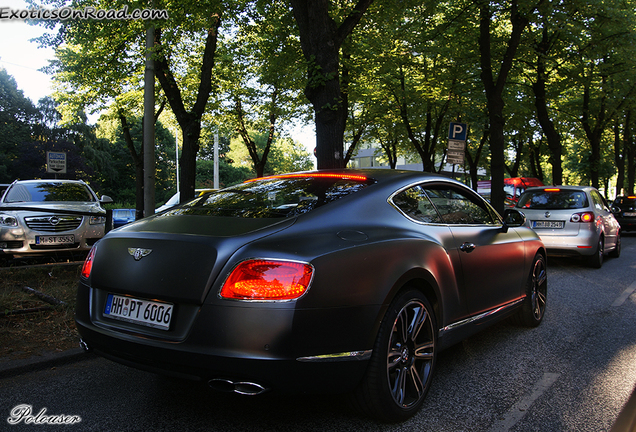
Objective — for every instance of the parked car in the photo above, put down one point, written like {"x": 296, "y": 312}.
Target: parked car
{"x": 122, "y": 217}
{"x": 624, "y": 209}
{"x": 513, "y": 187}
{"x": 176, "y": 198}
{"x": 572, "y": 221}
{"x": 3, "y": 187}
{"x": 327, "y": 281}
{"x": 40, "y": 217}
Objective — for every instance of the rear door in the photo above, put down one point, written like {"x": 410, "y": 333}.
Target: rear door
{"x": 610, "y": 225}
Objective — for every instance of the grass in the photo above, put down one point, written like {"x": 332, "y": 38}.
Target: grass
{"x": 51, "y": 329}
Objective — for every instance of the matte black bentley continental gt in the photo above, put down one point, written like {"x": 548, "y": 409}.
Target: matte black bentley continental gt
{"x": 328, "y": 281}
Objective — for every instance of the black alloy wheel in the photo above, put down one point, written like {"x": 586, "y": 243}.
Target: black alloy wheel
{"x": 403, "y": 361}
{"x": 533, "y": 308}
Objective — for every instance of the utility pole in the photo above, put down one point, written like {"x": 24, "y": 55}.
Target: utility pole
{"x": 149, "y": 125}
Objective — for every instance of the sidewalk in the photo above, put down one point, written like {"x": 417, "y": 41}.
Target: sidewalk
{"x": 48, "y": 360}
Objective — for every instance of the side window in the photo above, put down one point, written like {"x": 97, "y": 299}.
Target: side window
{"x": 457, "y": 207}
{"x": 599, "y": 202}
{"x": 416, "y": 205}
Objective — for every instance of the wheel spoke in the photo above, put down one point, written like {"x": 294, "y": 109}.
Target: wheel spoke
{"x": 393, "y": 357}
{"x": 418, "y": 320}
{"x": 424, "y": 351}
{"x": 541, "y": 277}
{"x": 416, "y": 380}
{"x": 398, "y": 388}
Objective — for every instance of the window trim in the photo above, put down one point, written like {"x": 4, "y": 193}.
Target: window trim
{"x": 496, "y": 216}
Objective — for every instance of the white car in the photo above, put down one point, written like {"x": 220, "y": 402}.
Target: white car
{"x": 176, "y": 198}
{"x": 572, "y": 221}
{"x": 42, "y": 217}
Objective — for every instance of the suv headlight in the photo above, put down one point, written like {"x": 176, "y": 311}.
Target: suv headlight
{"x": 96, "y": 220}
{"x": 8, "y": 220}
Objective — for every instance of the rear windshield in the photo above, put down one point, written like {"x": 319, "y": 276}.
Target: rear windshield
{"x": 48, "y": 191}
{"x": 271, "y": 198}
{"x": 563, "y": 199}
{"x": 627, "y": 201}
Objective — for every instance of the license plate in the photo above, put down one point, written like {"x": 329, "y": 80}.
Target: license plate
{"x": 139, "y": 311}
{"x": 629, "y": 214}
{"x": 548, "y": 224}
{"x": 55, "y": 240}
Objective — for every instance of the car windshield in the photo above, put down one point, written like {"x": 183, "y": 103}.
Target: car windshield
{"x": 553, "y": 200}
{"x": 48, "y": 191}
{"x": 272, "y": 198}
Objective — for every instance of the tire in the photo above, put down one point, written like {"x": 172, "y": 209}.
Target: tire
{"x": 596, "y": 260}
{"x": 403, "y": 361}
{"x": 533, "y": 307}
{"x": 616, "y": 252}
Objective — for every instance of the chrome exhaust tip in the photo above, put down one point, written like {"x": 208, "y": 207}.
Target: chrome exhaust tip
{"x": 83, "y": 345}
{"x": 240, "y": 387}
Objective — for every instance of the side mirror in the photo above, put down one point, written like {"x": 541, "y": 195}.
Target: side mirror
{"x": 105, "y": 199}
{"x": 513, "y": 218}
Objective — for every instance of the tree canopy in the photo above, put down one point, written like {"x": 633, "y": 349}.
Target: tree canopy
{"x": 546, "y": 87}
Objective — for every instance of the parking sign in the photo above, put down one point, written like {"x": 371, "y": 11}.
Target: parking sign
{"x": 458, "y": 131}
{"x": 56, "y": 162}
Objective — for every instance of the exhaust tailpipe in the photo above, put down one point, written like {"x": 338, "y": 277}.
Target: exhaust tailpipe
{"x": 240, "y": 387}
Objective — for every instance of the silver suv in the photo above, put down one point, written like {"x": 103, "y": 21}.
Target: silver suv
{"x": 572, "y": 220}
{"x": 42, "y": 217}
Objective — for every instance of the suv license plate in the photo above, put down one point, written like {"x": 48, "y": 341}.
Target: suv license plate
{"x": 548, "y": 224}
{"x": 55, "y": 240}
{"x": 139, "y": 311}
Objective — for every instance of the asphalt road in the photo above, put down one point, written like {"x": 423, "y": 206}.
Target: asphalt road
{"x": 573, "y": 373}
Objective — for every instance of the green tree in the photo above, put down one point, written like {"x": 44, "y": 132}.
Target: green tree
{"x": 17, "y": 117}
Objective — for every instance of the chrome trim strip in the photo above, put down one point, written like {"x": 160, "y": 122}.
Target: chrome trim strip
{"x": 344, "y": 356}
{"x": 479, "y": 317}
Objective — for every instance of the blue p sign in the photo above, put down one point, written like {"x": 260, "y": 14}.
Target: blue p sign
{"x": 458, "y": 131}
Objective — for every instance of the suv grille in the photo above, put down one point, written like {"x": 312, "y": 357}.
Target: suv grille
{"x": 53, "y": 223}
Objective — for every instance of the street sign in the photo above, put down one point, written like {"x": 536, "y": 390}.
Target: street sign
{"x": 56, "y": 162}
{"x": 456, "y": 145}
{"x": 458, "y": 131}
{"x": 455, "y": 157}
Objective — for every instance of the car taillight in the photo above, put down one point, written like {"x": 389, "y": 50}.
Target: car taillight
{"x": 88, "y": 264}
{"x": 268, "y": 280}
{"x": 582, "y": 217}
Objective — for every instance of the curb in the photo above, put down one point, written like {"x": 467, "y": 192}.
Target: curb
{"x": 47, "y": 360}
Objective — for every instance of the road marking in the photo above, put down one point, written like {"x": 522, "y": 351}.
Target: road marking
{"x": 621, "y": 299}
{"x": 519, "y": 410}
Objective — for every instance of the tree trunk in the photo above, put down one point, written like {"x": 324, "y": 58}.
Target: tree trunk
{"x": 540, "y": 102}
{"x": 494, "y": 90}
{"x": 189, "y": 121}
{"x": 321, "y": 39}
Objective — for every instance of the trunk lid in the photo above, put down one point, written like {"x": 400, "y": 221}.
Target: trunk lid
{"x": 177, "y": 257}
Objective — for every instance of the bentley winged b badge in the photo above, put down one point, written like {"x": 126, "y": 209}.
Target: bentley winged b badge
{"x": 139, "y": 253}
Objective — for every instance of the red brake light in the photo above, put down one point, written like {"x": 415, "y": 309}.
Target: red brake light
{"x": 88, "y": 264}
{"x": 268, "y": 280}
{"x": 584, "y": 217}
{"x": 312, "y": 175}
{"x": 551, "y": 190}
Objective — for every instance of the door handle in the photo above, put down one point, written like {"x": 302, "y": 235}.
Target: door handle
{"x": 467, "y": 247}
